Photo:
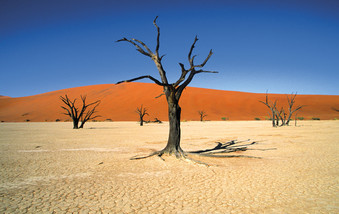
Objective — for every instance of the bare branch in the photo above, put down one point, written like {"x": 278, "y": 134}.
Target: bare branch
{"x": 183, "y": 86}
{"x": 68, "y": 112}
{"x": 144, "y": 45}
{"x": 162, "y": 57}
{"x": 89, "y": 114}
{"x": 203, "y": 71}
{"x": 144, "y": 77}
{"x": 149, "y": 54}
{"x": 298, "y": 108}
{"x": 191, "y": 70}
{"x": 183, "y": 75}
{"x": 159, "y": 95}
{"x": 265, "y": 103}
{"x": 73, "y": 110}
{"x": 143, "y": 48}
{"x": 190, "y": 59}
{"x": 158, "y": 37}
{"x": 207, "y": 58}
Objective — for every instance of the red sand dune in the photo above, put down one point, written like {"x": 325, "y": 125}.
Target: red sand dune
{"x": 119, "y": 102}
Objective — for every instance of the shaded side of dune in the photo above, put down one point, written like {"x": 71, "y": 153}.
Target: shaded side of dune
{"x": 119, "y": 103}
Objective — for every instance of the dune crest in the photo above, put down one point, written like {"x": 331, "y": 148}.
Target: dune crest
{"x": 119, "y": 103}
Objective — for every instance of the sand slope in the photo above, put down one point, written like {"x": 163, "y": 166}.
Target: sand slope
{"x": 119, "y": 103}
{"x": 51, "y": 168}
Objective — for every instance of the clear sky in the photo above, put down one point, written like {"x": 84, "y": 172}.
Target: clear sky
{"x": 280, "y": 46}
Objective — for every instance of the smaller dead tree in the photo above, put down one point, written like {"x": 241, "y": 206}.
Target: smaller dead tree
{"x": 281, "y": 115}
{"x": 202, "y": 115}
{"x": 83, "y": 114}
{"x": 273, "y": 111}
{"x": 141, "y": 112}
{"x": 291, "y": 101}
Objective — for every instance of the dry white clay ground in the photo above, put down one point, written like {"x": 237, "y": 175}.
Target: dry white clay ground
{"x": 51, "y": 168}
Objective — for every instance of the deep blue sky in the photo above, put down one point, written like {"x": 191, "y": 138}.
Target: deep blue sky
{"x": 279, "y": 46}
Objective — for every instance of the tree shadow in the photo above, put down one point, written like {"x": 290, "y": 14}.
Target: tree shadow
{"x": 101, "y": 128}
{"x": 221, "y": 149}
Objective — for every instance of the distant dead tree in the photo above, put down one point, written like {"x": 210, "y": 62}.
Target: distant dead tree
{"x": 172, "y": 91}
{"x": 273, "y": 110}
{"x": 141, "y": 112}
{"x": 83, "y": 114}
{"x": 202, "y": 115}
{"x": 291, "y": 101}
{"x": 335, "y": 109}
{"x": 281, "y": 115}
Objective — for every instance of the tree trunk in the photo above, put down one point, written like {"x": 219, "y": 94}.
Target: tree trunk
{"x": 141, "y": 121}
{"x": 75, "y": 123}
{"x": 173, "y": 143}
{"x": 273, "y": 119}
{"x": 288, "y": 119}
{"x": 82, "y": 124}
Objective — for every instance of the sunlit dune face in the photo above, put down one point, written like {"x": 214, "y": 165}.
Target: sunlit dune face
{"x": 119, "y": 103}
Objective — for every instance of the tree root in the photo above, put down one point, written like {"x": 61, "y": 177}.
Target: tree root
{"x": 161, "y": 153}
{"x": 147, "y": 156}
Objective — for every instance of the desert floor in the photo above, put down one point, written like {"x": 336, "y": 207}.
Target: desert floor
{"x": 49, "y": 167}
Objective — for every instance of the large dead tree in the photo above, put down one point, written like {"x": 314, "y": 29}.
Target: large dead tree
{"x": 172, "y": 91}
{"x": 79, "y": 114}
{"x": 141, "y": 112}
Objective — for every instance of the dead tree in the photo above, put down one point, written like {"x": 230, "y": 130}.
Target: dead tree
{"x": 83, "y": 114}
{"x": 202, "y": 115}
{"x": 281, "y": 115}
{"x": 291, "y": 101}
{"x": 273, "y": 111}
{"x": 172, "y": 91}
{"x": 141, "y": 112}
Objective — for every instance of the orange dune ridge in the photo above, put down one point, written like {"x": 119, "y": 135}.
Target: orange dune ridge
{"x": 119, "y": 103}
